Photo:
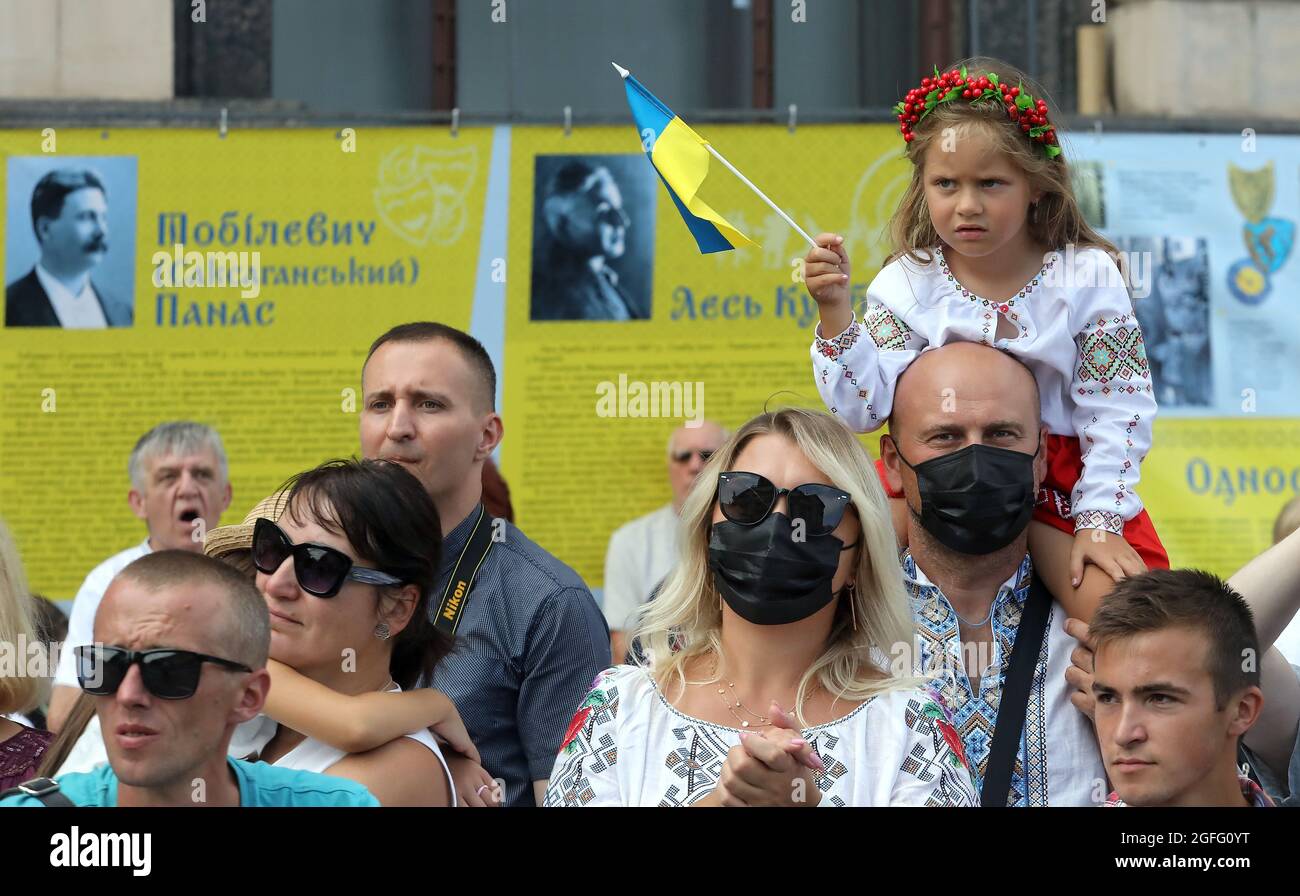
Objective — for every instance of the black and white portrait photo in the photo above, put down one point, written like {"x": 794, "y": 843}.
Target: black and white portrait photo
{"x": 593, "y": 237}
{"x": 1175, "y": 318}
{"x": 70, "y": 242}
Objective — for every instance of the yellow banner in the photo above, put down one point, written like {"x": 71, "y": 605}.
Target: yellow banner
{"x": 357, "y": 231}
{"x": 600, "y": 371}
{"x": 1214, "y": 486}
{"x": 591, "y": 398}
{"x": 349, "y": 232}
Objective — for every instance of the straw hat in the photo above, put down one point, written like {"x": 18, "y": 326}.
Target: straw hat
{"x": 227, "y": 539}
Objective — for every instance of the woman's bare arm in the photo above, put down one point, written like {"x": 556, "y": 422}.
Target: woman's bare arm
{"x": 400, "y": 773}
{"x": 1271, "y": 585}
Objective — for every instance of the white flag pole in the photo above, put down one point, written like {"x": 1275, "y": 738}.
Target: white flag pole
{"x": 623, "y": 73}
{"x": 761, "y": 195}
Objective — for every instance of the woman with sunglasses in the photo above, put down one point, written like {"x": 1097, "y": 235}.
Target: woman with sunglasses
{"x": 346, "y": 572}
{"x": 766, "y": 678}
{"x": 351, "y": 723}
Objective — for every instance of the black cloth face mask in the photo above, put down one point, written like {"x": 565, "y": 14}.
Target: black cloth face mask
{"x": 977, "y": 500}
{"x": 768, "y": 578}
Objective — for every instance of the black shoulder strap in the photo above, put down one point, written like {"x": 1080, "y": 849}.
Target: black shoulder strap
{"x": 1015, "y": 696}
{"x": 43, "y": 789}
{"x": 456, "y": 594}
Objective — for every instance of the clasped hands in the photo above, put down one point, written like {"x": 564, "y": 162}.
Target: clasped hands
{"x": 773, "y": 767}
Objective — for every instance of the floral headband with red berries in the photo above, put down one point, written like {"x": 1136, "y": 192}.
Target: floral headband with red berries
{"x": 1029, "y": 113}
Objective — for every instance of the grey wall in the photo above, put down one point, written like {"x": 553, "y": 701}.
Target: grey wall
{"x": 350, "y": 56}
{"x": 1042, "y": 43}
{"x": 693, "y": 54}
{"x": 846, "y": 54}
{"x": 377, "y": 55}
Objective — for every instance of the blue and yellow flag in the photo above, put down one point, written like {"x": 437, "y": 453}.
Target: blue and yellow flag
{"x": 681, "y": 158}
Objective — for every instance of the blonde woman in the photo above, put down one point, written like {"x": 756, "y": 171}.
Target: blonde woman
{"x": 766, "y": 680}
{"x": 20, "y": 746}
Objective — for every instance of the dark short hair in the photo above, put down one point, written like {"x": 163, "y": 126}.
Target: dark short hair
{"x": 1186, "y": 598}
{"x": 391, "y": 522}
{"x": 247, "y": 636}
{"x": 428, "y": 331}
{"x": 54, "y": 187}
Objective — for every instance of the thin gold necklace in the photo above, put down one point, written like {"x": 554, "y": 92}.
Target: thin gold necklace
{"x": 744, "y": 723}
{"x": 763, "y": 721}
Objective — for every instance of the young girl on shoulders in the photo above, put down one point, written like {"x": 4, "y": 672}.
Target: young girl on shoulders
{"x": 989, "y": 246}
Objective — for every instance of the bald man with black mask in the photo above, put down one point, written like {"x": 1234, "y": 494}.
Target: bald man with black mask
{"x": 966, "y": 448}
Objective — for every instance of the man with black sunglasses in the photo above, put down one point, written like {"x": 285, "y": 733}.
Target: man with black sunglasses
{"x": 642, "y": 551}
{"x": 531, "y": 636}
{"x": 179, "y": 660}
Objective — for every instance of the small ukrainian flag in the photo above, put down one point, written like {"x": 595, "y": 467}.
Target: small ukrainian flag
{"x": 681, "y": 157}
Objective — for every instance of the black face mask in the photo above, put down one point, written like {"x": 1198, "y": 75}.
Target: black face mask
{"x": 768, "y": 578}
{"x": 976, "y": 500}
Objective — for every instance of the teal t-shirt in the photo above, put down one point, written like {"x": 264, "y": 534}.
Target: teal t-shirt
{"x": 259, "y": 785}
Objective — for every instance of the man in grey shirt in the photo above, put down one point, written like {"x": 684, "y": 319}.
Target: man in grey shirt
{"x": 530, "y": 638}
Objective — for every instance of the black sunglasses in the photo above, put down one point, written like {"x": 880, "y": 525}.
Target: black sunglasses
{"x": 167, "y": 674}
{"x": 683, "y": 456}
{"x": 320, "y": 570}
{"x": 747, "y": 498}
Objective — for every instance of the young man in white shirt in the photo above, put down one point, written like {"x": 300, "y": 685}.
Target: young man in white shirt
{"x": 642, "y": 552}
{"x": 180, "y": 486}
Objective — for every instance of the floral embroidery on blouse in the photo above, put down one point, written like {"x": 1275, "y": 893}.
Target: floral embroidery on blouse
{"x": 993, "y": 308}
{"x": 886, "y": 329}
{"x": 946, "y": 766}
{"x": 835, "y": 347}
{"x": 1003, "y": 307}
{"x": 838, "y": 345}
{"x": 1113, "y": 354}
{"x": 676, "y": 760}
{"x": 596, "y": 699}
{"x": 1108, "y": 520}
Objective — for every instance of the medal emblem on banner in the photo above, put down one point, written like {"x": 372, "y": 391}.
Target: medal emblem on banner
{"x": 1268, "y": 240}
